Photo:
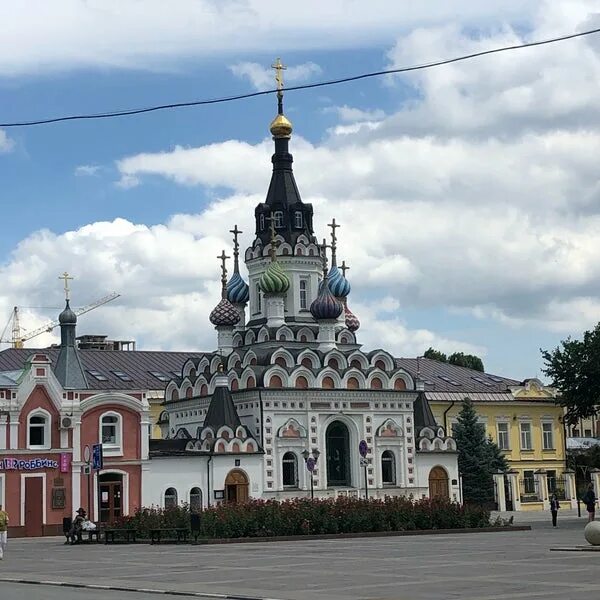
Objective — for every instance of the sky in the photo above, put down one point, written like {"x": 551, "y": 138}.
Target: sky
{"x": 468, "y": 194}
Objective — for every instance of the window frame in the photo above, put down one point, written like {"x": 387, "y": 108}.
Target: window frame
{"x": 175, "y": 496}
{"x": 198, "y": 494}
{"x": 293, "y": 460}
{"x": 303, "y": 289}
{"x": 499, "y": 436}
{"x": 389, "y": 457}
{"x": 258, "y": 295}
{"x": 550, "y": 433}
{"x": 115, "y": 449}
{"x": 527, "y": 434}
{"x": 278, "y": 219}
{"x": 527, "y": 479}
{"x": 47, "y": 432}
{"x": 298, "y": 220}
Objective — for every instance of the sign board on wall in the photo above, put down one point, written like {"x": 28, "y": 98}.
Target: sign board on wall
{"x": 97, "y": 457}
{"x": 29, "y": 464}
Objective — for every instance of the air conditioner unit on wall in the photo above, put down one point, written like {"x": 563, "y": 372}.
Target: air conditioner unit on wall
{"x": 66, "y": 422}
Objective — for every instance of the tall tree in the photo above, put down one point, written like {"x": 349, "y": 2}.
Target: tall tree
{"x": 435, "y": 355}
{"x": 574, "y": 368}
{"x": 466, "y": 360}
{"x": 478, "y": 457}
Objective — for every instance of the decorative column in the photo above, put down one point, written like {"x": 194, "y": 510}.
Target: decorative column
{"x": 570, "y": 488}
{"x": 499, "y": 485}
{"x": 514, "y": 488}
{"x": 14, "y": 430}
{"x": 3, "y": 431}
{"x": 542, "y": 485}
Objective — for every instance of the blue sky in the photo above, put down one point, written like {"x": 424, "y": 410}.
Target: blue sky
{"x": 467, "y": 194}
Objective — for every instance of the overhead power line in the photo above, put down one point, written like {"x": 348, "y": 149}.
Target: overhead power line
{"x": 438, "y": 63}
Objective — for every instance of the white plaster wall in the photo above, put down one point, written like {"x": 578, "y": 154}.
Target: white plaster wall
{"x": 425, "y": 461}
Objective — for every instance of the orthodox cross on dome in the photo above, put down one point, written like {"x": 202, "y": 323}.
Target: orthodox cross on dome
{"x": 223, "y": 257}
{"x": 323, "y": 248}
{"x": 66, "y": 278}
{"x": 274, "y": 241}
{"x": 333, "y": 226}
{"x": 279, "y": 69}
{"x": 236, "y": 248}
{"x": 344, "y": 268}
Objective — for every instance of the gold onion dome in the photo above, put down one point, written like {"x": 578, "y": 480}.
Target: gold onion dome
{"x": 281, "y": 127}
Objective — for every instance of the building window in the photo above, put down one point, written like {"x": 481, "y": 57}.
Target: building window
{"x": 587, "y": 433}
{"x": 528, "y": 482}
{"x": 110, "y": 430}
{"x": 503, "y": 436}
{"x": 526, "y": 436}
{"x": 298, "y": 219}
{"x": 278, "y": 219}
{"x": 261, "y": 222}
{"x": 258, "y": 299}
{"x": 388, "y": 468}
{"x": 195, "y": 499}
{"x": 289, "y": 467}
{"x": 551, "y": 477}
{"x": 38, "y": 431}
{"x": 303, "y": 294}
{"x": 547, "y": 436}
{"x": 171, "y": 498}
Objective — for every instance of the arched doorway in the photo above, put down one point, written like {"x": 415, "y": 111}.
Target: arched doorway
{"x": 236, "y": 486}
{"x": 438, "y": 483}
{"x": 337, "y": 440}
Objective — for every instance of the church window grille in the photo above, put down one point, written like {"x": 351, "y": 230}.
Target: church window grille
{"x": 170, "y": 498}
{"x": 290, "y": 470}
{"x": 195, "y": 499}
{"x": 261, "y": 222}
{"x": 298, "y": 219}
{"x": 303, "y": 295}
{"x": 278, "y": 219}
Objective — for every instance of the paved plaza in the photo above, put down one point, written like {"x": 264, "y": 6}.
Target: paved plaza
{"x": 481, "y": 566}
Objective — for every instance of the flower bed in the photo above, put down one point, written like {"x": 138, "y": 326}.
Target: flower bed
{"x": 260, "y": 518}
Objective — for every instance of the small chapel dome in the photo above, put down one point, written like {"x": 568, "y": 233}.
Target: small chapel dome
{"x": 274, "y": 280}
{"x": 281, "y": 127}
{"x": 352, "y": 322}
{"x": 326, "y": 306}
{"x": 338, "y": 284}
{"x": 225, "y": 314}
{"x": 237, "y": 290}
{"x": 67, "y": 316}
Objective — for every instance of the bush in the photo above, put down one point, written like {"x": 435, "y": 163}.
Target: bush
{"x": 301, "y": 516}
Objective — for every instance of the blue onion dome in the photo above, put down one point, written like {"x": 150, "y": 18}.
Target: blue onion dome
{"x": 274, "y": 280}
{"x": 238, "y": 291}
{"x": 224, "y": 313}
{"x": 352, "y": 322}
{"x": 338, "y": 284}
{"x": 67, "y": 316}
{"x": 326, "y": 306}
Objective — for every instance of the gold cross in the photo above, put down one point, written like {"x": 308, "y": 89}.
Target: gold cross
{"x": 236, "y": 247}
{"x": 344, "y": 268}
{"x": 279, "y": 69}
{"x": 274, "y": 242}
{"x": 66, "y": 278}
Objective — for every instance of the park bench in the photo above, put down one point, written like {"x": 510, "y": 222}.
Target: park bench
{"x": 158, "y": 535}
{"x": 127, "y": 536}
{"x": 78, "y": 537}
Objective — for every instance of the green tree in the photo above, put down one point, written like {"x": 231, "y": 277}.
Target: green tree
{"x": 435, "y": 355}
{"x": 574, "y": 368}
{"x": 466, "y": 360}
{"x": 478, "y": 457}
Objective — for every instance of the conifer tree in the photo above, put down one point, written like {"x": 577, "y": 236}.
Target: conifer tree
{"x": 478, "y": 457}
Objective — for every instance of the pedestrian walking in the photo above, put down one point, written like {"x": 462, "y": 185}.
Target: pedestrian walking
{"x": 3, "y": 531}
{"x": 554, "y": 506}
{"x": 589, "y": 499}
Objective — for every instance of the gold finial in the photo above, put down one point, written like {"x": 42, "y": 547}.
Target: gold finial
{"x": 66, "y": 278}
{"x": 279, "y": 69}
{"x": 344, "y": 268}
{"x": 333, "y": 226}
{"x": 236, "y": 248}
{"x": 223, "y": 257}
{"x": 280, "y": 126}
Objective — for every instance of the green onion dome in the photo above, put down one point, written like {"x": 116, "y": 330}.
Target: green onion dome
{"x": 274, "y": 280}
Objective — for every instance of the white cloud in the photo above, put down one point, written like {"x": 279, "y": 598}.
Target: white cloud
{"x": 262, "y": 78}
{"x": 87, "y": 170}
{"x": 351, "y": 114}
{"x": 6, "y": 143}
{"x": 41, "y": 36}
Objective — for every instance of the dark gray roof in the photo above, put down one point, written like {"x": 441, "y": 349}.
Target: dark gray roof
{"x": 69, "y": 370}
{"x": 443, "y": 377}
{"x": 423, "y": 415}
{"x": 222, "y": 410}
{"x": 137, "y": 366}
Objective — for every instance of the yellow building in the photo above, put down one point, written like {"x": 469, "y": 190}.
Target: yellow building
{"x": 521, "y": 417}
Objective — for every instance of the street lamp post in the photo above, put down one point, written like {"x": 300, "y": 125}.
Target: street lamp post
{"x": 311, "y": 463}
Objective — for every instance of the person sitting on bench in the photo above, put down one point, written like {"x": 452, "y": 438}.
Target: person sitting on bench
{"x": 77, "y": 526}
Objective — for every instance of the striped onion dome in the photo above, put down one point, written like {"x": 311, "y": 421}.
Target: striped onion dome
{"x": 274, "y": 280}
{"x": 237, "y": 289}
{"x": 326, "y": 306}
{"x": 225, "y": 314}
{"x": 352, "y": 322}
{"x": 338, "y": 284}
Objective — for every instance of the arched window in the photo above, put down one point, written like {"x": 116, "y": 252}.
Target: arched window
{"x": 333, "y": 363}
{"x": 261, "y": 222}
{"x": 188, "y": 392}
{"x": 275, "y": 381}
{"x": 195, "y": 499}
{"x": 298, "y": 219}
{"x": 278, "y": 219}
{"x": 399, "y": 384}
{"x": 175, "y": 395}
{"x": 170, "y": 498}
{"x": 204, "y": 390}
{"x": 352, "y": 383}
{"x": 306, "y": 362}
{"x": 376, "y": 383}
{"x": 192, "y": 372}
{"x": 303, "y": 338}
{"x": 303, "y": 294}
{"x": 258, "y": 298}
{"x": 38, "y": 430}
{"x": 251, "y": 383}
{"x": 301, "y": 382}
{"x": 356, "y": 364}
{"x": 235, "y": 385}
{"x": 110, "y": 431}
{"x": 388, "y": 468}
{"x": 281, "y": 361}
{"x": 328, "y": 383}
{"x": 380, "y": 364}
{"x": 289, "y": 468}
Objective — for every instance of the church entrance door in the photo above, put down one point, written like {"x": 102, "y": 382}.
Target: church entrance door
{"x": 236, "y": 486}
{"x": 438, "y": 483}
{"x": 111, "y": 497}
{"x": 337, "y": 440}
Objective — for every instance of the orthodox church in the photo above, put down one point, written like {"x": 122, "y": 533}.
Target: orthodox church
{"x": 289, "y": 404}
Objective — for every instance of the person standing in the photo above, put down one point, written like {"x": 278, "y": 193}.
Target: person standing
{"x": 590, "y": 502}
{"x": 3, "y": 531}
{"x": 554, "y": 506}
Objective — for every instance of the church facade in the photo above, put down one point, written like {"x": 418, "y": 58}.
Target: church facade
{"x": 319, "y": 415}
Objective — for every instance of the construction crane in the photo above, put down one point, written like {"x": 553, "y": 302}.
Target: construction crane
{"x": 18, "y": 340}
